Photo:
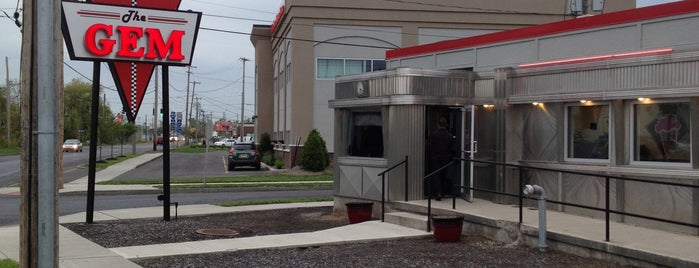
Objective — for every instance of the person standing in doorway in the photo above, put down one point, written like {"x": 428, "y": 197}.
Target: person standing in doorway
{"x": 440, "y": 153}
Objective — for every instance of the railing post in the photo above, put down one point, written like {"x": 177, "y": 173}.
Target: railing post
{"x": 606, "y": 208}
{"x": 429, "y": 205}
{"x": 521, "y": 197}
{"x": 406, "y": 178}
{"x": 429, "y": 213}
{"x": 383, "y": 196}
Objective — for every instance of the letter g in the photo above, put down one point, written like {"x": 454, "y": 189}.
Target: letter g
{"x": 105, "y": 45}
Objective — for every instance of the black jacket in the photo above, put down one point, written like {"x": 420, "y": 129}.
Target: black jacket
{"x": 441, "y": 145}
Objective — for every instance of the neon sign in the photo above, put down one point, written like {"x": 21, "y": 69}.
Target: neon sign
{"x": 119, "y": 33}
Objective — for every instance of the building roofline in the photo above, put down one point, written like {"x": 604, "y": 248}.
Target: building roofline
{"x": 597, "y": 21}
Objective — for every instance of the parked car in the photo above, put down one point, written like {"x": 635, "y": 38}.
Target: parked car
{"x": 243, "y": 154}
{"x": 225, "y": 142}
{"x": 72, "y": 145}
{"x": 159, "y": 140}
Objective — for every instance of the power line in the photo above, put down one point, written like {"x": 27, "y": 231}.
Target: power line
{"x": 241, "y": 8}
{"x": 87, "y": 78}
{"x": 299, "y": 39}
{"x": 489, "y": 10}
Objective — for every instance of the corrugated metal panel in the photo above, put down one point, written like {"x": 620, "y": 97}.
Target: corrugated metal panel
{"x": 407, "y": 137}
{"x": 485, "y": 88}
{"x": 659, "y": 78}
{"x": 406, "y": 82}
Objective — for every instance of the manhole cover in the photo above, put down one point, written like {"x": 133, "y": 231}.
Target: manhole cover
{"x": 218, "y": 232}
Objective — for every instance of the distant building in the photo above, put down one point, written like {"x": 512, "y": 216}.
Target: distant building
{"x": 312, "y": 41}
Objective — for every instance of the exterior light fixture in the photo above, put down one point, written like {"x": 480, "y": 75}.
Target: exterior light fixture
{"x": 643, "y": 99}
{"x": 537, "y": 103}
{"x": 488, "y": 106}
{"x": 586, "y": 101}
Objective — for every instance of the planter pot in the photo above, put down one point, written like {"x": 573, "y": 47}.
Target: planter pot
{"x": 447, "y": 228}
{"x": 359, "y": 211}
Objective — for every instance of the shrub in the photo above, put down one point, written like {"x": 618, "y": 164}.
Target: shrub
{"x": 315, "y": 154}
{"x": 278, "y": 164}
{"x": 265, "y": 143}
{"x": 268, "y": 159}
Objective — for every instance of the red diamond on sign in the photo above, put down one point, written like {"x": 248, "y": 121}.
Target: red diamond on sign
{"x": 132, "y": 78}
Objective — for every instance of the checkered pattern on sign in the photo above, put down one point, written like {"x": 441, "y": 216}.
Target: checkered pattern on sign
{"x": 134, "y": 3}
{"x": 133, "y": 88}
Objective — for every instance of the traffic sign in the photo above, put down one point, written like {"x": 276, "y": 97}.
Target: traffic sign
{"x": 172, "y": 116}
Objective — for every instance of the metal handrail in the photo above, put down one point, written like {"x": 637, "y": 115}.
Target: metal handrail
{"x": 429, "y": 191}
{"x": 607, "y": 178}
{"x": 383, "y": 184}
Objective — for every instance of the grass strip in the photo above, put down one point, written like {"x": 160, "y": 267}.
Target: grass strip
{"x": 252, "y": 185}
{"x": 252, "y": 178}
{"x": 8, "y": 263}
{"x": 9, "y": 151}
{"x": 273, "y": 201}
{"x": 197, "y": 149}
{"x": 111, "y": 161}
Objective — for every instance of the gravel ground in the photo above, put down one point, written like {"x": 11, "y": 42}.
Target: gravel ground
{"x": 124, "y": 233}
{"x": 423, "y": 252}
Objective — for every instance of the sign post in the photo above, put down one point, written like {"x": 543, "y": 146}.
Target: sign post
{"x": 132, "y": 37}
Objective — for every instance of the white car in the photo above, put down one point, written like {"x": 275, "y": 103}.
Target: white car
{"x": 225, "y": 142}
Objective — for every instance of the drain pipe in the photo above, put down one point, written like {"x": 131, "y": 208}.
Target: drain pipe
{"x": 541, "y": 197}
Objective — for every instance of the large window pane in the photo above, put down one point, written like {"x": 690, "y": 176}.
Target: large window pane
{"x": 378, "y": 65}
{"x": 329, "y": 68}
{"x": 662, "y": 132}
{"x": 588, "y": 132}
{"x": 366, "y": 135}
{"x": 354, "y": 67}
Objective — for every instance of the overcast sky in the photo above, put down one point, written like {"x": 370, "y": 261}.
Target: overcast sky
{"x": 216, "y": 58}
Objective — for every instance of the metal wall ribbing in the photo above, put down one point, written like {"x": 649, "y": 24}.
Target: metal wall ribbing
{"x": 406, "y": 130}
{"x": 666, "y": 78}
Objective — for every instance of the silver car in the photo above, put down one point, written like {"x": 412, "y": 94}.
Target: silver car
{"x": 72, "y": 145}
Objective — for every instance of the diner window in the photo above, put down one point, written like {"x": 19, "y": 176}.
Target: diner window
{"x": 588, "y": 131}
{"x": 330, "y": 68}
{"x": 366, "y": 135}
{"x": 662, "y": 132}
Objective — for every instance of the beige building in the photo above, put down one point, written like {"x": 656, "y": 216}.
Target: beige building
{"x": 313, "y": 41}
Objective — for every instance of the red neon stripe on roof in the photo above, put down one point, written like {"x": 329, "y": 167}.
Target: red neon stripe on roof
{"x": 620, "y": 17}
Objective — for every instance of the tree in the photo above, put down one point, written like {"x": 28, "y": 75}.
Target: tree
{"x": 15, "y": 128}
{"x": 77, "y": 113}
{"x": 265, "y": 143}
{"x": 123, "y": 132}
{"x": 315, "y": 154}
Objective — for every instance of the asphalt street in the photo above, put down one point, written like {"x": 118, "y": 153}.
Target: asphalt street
{"x": 74, "y": 163}
{"x": 182, "y": 165}
{"x": 74, "y": 203}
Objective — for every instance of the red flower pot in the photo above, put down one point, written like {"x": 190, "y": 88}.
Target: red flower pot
{"x": 447, "y": 228}
{"x": 359, "y": 211}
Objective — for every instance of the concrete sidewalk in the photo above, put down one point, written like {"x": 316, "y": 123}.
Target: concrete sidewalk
{"x": 107, "y": 174}
{"x": 76, "y": 251}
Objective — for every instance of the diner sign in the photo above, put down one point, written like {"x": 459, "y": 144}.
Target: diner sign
{"x": 126, "y": 33}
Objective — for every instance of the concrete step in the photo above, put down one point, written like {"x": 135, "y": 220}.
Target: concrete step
{"x": 407, "y": 219}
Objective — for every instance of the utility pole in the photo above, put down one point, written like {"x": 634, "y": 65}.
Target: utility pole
{"x": 242, "y": 105}
{"x": 196, "y": 130}
{"x": 7, "y": 98}
{"x": 186, "y": 101}
{"x": 42, "y": 90}
{"x": 156, "y": 112}
{"x": 191, "y": 105}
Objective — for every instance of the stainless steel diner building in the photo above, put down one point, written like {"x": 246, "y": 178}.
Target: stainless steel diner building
{"x": 615, "y": 93}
